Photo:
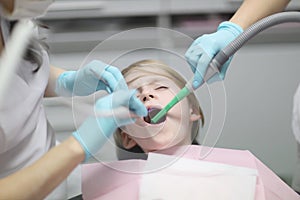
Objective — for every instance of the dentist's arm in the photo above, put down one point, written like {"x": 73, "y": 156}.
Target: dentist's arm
{"x": 253, "y": 10}
{"x": 205, "y": 47}
{"x": 55, "y": 72}
{"x": 39, "y": 179}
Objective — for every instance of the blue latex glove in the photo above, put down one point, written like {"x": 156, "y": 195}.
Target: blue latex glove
{"x": 95, "y": 131}
{"x": 93, "y": 77}
{"x": 204, "y": 48}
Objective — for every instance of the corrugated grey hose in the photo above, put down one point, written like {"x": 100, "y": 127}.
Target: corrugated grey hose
{"x": 272, "y": 20}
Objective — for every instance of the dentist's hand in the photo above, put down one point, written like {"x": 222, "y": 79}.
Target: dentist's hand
{"x": 117, "y": 109}
{"x": 94, "y": 76}
{"x": 204, "y": 48}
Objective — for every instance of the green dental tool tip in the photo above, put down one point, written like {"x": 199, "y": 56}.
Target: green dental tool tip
{"x": 181, "y": 94}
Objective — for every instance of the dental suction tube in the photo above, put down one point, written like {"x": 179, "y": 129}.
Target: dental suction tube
{"x": 272, "y": 20}
{"x": 223, "y": 55}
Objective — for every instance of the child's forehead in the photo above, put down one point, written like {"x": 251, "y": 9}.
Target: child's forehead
{"x": 138, "y": 78}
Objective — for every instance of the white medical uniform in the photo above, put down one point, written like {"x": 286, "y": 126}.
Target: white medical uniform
{"x": 296, "y": 131}
{"x": 25, "y": 134}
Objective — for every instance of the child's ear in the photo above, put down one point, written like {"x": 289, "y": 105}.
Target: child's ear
{"x": 194, "y": 116}
{"x": 127, "y": 141}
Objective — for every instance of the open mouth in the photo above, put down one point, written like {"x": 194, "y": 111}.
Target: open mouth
{"x": 151, "y": 114}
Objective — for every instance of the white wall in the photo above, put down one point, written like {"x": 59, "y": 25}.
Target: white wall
{"x": 260, "y": 85}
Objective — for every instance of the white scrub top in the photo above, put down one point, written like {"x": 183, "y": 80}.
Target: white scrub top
{"x": 25, "y": 134}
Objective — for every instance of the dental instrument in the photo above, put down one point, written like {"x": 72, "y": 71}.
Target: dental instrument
{"x": 223, "y": 55}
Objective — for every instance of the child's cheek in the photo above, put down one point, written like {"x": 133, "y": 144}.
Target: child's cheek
{"x": 166, "y": 97}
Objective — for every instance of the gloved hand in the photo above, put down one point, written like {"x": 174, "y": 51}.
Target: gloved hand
{"x": 204, "y": 48}
{"x": 117, "y": 109}
{"x": 95, "y": 76}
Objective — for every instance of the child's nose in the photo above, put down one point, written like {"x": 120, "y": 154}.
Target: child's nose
{"x": 147, "y": 97}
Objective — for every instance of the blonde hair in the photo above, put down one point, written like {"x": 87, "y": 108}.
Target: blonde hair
{"x": 147, "y": 66}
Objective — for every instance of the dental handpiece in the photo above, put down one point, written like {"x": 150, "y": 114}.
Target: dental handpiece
{"x": 214, "y": 68}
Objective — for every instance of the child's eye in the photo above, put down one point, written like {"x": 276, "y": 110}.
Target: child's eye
{"x": 161, "y": 88}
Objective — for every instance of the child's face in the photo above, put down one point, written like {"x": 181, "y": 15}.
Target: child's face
{"x": 156, "y": 91}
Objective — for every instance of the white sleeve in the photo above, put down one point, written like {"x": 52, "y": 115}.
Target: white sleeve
{"x": 296, "y": 115}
